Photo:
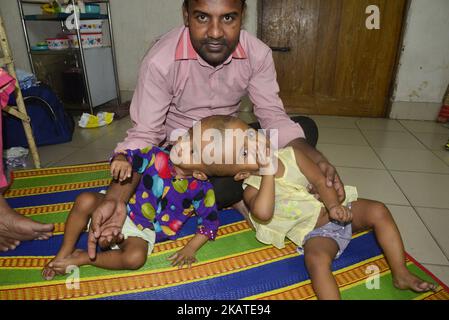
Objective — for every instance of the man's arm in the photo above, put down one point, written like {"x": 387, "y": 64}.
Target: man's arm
{"x": 328, "y": 194}
{"x": 149, "y": 108}
{"x": 329, "y": 171}
{"x": 314, "y": 175}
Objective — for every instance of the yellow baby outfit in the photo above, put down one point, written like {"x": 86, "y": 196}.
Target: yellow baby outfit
{"x": 296, "y": 211}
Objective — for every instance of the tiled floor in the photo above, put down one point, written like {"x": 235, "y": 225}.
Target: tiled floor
{"x": 401, "y": 163}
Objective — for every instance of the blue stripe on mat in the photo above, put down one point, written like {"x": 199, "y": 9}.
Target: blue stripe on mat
{"x": 48, "y": 199}
{"x": 51, "y": 246}
{"x": 255, "y": 281}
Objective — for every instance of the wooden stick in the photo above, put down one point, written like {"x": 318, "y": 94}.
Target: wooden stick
{"x": 21, "y": 113}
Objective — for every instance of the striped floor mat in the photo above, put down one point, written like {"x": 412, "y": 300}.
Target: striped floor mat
{"x": 235, "y": 266}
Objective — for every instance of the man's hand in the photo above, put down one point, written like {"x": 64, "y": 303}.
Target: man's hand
{"x": 106, "y": 225}
{"x": 332, "y": 179}
{"x": 121, "y": 169}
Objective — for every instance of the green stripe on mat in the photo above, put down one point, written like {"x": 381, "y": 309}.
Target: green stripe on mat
{"x": 55, "y": 217}
{"x": 229, "y": 245}
{"x": 33, "y": 182}
{"x": 386, "y": 289}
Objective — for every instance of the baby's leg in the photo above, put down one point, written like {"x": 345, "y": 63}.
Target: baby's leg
{"x": 132, "y": 255}
{"x": 374, "y": 215}
{"x": 319, "y": 252}
{"x": 76, "y": 223}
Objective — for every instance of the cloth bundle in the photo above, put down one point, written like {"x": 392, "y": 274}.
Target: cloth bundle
{"x": 100, "y": 120}
{"x": 26, "y": 79}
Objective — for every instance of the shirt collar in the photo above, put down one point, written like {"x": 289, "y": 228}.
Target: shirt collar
{"x": 185, "y": 50}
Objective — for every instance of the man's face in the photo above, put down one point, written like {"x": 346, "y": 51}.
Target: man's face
{"x": 214, "y": 28}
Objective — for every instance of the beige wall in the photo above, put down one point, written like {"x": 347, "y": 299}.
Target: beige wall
{"x": 11, "y": 18}
{"x": 136, "y": 24}
{"x": 424, "y": 66}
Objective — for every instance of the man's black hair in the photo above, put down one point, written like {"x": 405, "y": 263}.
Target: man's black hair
{"x": 186, "y": 3}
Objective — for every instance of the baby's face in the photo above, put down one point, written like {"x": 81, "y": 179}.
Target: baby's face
{"x": 242, "y": 146}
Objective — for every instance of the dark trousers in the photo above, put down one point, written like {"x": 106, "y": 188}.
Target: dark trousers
{"x": 229, "y": 192}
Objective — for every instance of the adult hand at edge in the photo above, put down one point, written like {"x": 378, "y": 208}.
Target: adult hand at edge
{"x": 106, "y": 225}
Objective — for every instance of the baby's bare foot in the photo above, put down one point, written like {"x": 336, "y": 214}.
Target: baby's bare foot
{"x": 77, "y": 258}
{"x": 409, "y": 281}
{"x": 47, "y": 272}
{"x": 59, "y": 265}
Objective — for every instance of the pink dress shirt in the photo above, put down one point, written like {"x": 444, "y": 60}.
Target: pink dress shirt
{"x": 176, "y": 88}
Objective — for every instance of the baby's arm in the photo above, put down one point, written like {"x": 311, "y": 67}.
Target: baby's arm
{"x": 328, "y": 194}
{"x": 187, "y": 254}
{"x": 261, "y": 202}
{"x": 121, "y": 168}
{"x": 208, "y": 224}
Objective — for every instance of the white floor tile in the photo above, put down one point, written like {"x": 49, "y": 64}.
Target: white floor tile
{"x": 341, "y": 136}
{"x": 437, "y": 221}
{"x": 433, "y": 141}
{"x": 108, "y": 142}
{"x": 86, "y": 155}
{"x": 418, "y": 241}
{"x": 82, "y": 137}
{"x": 441, "y": 272}
{"x": 424, "y": 189}
{"x": 52, "y": 154}
{"x": 335, "y": 122}
{"x": 391, "y": 139}
{"x": 351, "y": 156}
{"x": 425, "y": 126}
{"x": 412, "y": 160}
{"x": 443, "y": 155}
{"x": 379, "y": 124}
{"x": 373, "y": 184}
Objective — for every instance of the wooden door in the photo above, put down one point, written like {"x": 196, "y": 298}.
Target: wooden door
{"x": 328, "y": 62}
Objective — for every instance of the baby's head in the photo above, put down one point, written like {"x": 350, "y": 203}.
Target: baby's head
{"x": 219, "y": 146}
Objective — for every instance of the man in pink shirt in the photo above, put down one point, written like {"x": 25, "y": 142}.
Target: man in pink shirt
{"x": 201, "y": 69}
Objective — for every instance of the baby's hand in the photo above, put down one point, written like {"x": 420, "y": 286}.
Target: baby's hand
{"x": 121, "y": 169}
{"x": 266, "y": 161}
{"x": 341, "y": 214}
{"x": 184, "y": 256}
